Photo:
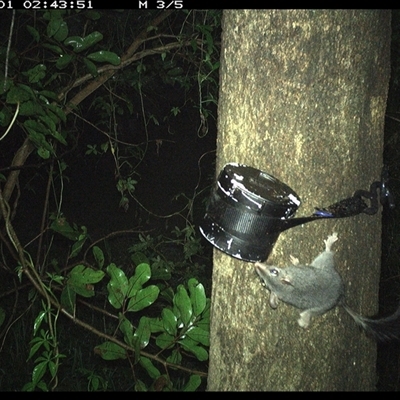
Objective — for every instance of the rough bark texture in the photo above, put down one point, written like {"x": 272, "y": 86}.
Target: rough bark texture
{"x": 302, "y": 96}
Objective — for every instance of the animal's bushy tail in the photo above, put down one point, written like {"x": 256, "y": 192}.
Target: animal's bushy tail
{"x": 382, "y": 329}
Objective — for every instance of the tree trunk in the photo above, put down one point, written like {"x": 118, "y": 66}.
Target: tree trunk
{"x": 302, "y": 97}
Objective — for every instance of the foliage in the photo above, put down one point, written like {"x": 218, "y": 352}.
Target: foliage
{"x": 177, "y": 329}
{"x": 53, "y": 62}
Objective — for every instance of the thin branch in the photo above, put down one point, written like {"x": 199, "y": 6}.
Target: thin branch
{"x": 11, "y": 123}
{"x": 8, "y": 51}
{"x": 124, "y": 64}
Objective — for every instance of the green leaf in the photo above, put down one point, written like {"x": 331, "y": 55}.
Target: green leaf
{"x": 38, "y": 321}
{"x": 51, "y": 109}
{"x": 160, "y": 270}
{"x": 55, "y": 277}
{"x": 54, "y": 26}
{"x": 59, "y": 112}
{"x": 94, "y": 383}
{"x": 54, "y": 48}
{"x": 165, "y": 341}
{"x": 42, "y": 386}
{"x": 47, "y": 121}
{"x": 38, "y": 138}
{"x": 81, "y": 280}
{"x": 169, "y": 321}
{"x": 139, "y": 258}
{"x": 175, "y": 357}
{"x": 191, "y": 345}
{"x": 204, "y": 322}
{"x": 175, "y": 71}
{"x": 117, "y": 287}
{"x": 64, "y": 60}
{"x": 197, "y": 296}
{"x": 149, "y": 367}
{"x": 140, "y": 386}
{"x": 110, "y": 351}
{"x": 142, "y": 333}
{"x": 35, "y": 347}
{"x": 38, "y": 372}
{"x": 30, "y": 108}
{"x": 79, "y": 44}
{"x": 86, "y": 275}
{"x": 28, "y": 387}
{"x": 52, "y": 368}
{"x": 141, "y": 276}
{"x": 193, "y": 384}
{"x": 143, "y": 298}
{"x": 62, "y": 226}
{"x": 77, "y": 246}
{"x": 127, "y": 329}
{"x": 90, "y": 67}
{"x": 98, "y": 256}
{"x": 19, "y": 94}
{"x": 48, "y": 94}
{"x": 183, "y": 304}
{"x": 168, "y": 295}
{"x": 199, "y": 335}
{"x": 62, "y": 31}
{"x": 43, "y": 153}
{"x": 68, "y": 299}
{"x": 57, "y": 135}
{"x": 35, "y": 34}
{"x": 105, "y": 56}
{"x": 36, "y": 73}
{"x": 156, "y": 325}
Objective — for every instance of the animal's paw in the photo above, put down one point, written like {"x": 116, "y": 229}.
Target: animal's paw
{"x": 304, "y": 320}
{"x": 273, "y": 300}
{"x": 330, "y": 240}
{"x": 294, "y": 260}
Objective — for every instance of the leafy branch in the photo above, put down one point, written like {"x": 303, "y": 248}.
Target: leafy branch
{"x": 27, "y": 146}
{"x": 188, "y": 310}
{"x": 153, "y": 324}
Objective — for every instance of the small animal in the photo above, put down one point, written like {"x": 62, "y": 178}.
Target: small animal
{"x": 317, "y": 288}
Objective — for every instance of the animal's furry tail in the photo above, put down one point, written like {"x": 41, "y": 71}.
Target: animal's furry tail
{"x": 382, "y": 329}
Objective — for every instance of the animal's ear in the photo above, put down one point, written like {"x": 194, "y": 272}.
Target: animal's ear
{"x": 286, "y": 280}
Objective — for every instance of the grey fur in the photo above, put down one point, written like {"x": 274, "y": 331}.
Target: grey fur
{"x": 317, "y": 288}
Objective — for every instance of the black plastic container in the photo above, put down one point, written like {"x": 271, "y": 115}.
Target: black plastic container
{"x": 247, "y": 211}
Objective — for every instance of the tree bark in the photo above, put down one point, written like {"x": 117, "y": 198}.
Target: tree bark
{"x": 302, "y": 97}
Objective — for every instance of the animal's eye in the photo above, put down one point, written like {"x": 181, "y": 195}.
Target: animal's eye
{"x": 274, "y": 272}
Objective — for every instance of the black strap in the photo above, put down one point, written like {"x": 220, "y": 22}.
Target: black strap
{"x": 356, "y": 205}
{"x": 349, "y": 207}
